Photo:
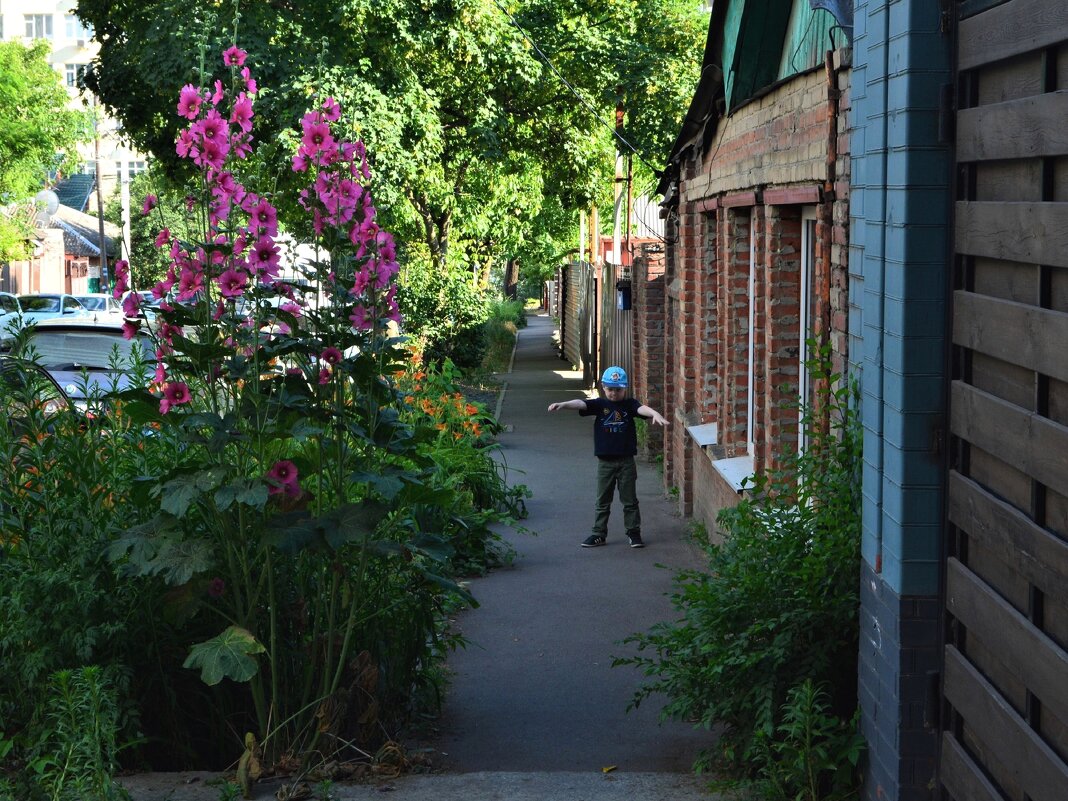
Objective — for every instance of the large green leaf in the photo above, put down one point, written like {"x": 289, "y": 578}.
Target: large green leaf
{"x": 227, "y": 656}
{"x": 158, "y": 548}
{"x": 180, "y": 492}
{"x": 246, "y": 491}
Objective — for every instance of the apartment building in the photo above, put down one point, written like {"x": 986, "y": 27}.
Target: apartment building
{"x": 73, "y": 49}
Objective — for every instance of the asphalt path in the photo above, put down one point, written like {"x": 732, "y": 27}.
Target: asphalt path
{"x": 536, "y": 690}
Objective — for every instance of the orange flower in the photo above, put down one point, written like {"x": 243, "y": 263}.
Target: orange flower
{"x": 440, "y": 426}
{"x": 471, "y": 409}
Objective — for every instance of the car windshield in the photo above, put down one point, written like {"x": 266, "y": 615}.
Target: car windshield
{"x": 94, "y": 304}
{"x": 39, "y": 303}
{"x": 89, "y": 349}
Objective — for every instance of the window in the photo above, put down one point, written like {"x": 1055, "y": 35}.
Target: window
{"x": 75, "y": 75}
{"x": 808, "y": 270}
{"x": 135, "y": 168}
{"x": 38, "y": 26}
{"x": 750, "y": 399}
{"x": 76, "y": 29}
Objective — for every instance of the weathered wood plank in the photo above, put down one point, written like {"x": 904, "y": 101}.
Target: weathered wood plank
{"x": 1010, "y": 29}
{"x": 1032, "y": 127}
{"x": 1036, "y": 445}
{"x": 1028, "y": 336}
{"x": 961, "y": 776}
{"x": 1033, "y": 233}
{"x": 1038, "y": 555}
{"x": 1027, "y": 652}
{"x": 1031, "y": 762}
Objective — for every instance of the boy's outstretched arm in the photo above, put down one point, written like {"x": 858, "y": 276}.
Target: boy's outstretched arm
{"x": 657, "y": 418}
{"x": 576, "y": 403}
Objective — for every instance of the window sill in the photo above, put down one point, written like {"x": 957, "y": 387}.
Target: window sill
{"x": 734, "y": 471}
{"x": 704, "y": 434}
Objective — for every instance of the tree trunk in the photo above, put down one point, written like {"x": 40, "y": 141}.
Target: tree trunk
{"x": 511, "y": 280}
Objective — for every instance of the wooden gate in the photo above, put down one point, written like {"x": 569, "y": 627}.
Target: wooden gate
{"x": 1005, "y": 679}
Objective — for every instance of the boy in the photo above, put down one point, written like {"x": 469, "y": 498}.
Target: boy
{"x": 615, "y": 443}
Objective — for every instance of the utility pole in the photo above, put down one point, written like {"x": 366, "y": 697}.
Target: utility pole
{"x": 95, "y": 281}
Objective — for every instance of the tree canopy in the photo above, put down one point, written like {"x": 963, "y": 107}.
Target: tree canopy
{"x": 36, "y": 129}
{"x": 478, "y": 146}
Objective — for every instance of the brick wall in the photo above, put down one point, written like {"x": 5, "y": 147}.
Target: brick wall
{"x": 766, "y": 162}
{"x": 648, "y": 363}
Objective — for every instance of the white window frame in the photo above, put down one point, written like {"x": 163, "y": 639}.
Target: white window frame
{"x": 38, "y": 26}
{"x": 76, "y": 29}
{"x": 750, "y": 392}
{"x": 74, "y": 73}
{"x": 807, "y": 270}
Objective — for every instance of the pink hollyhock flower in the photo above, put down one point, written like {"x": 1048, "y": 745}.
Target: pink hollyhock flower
{"x": 242, "y": 145}
{"x": 122, "y": 272}
{"x": 331, "y": 110}
{"x": 212, "y": 153}
{"x": 292, "y": 308}
{"x": 392, "y": 307}
{"x": 161, "y": 371}
{"x": 212, "y": 128}
{"x": 216, "y": 588}
{"x": 234, "y": 56}
{"x": 242, "y": 112}
{"x": 324, "y": 376}
{"x": 317, "y": 137}
{"x": 149, "y": 204}
{"x": 283, "y": 474}
{"x": 265, "y": 216}
{"x": 190, "y": 282}
{"x": 300, "y": 163}
{"x": 232, "y": 284}
{"x": 224, "y": 185}
{"x": 130, "y": 329}
{"x": 131, "y": 304}
{"x": 361, "y": 319}
{"x": 175, "y": 393}
{"x": 263, "y": 256}
{"x": 189, "y": 100}
{"x": 218, "y": 94}
{"x": 250, "y": 82}
{"x": 160, "y": 290}
{"x": 163, "y": 238}
{"x": 331, "y": 355}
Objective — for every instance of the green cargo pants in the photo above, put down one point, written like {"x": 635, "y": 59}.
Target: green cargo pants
{"x": 624, "y": 474}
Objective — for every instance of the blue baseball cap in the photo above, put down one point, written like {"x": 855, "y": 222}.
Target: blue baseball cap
{"x": 614, "y": 377}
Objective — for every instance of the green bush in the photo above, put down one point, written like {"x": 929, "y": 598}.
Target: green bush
{"x": 777, "y": 607}
{"x": 447, "y": 314}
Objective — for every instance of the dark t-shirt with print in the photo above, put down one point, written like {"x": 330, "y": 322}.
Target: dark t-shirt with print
{"x": 613, "y": 430}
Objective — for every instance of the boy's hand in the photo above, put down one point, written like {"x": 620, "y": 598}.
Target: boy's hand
{"x": 659, "y": 419}
{"x": 555, "y": 407}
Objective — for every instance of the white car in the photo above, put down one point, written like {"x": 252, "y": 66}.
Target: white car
{"x": 100, "y": 303}
{"x": 45, "y": 306}
{"x": 10, "y": 318}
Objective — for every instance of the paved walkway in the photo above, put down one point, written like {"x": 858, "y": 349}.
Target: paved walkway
{"x": 535, "y": 710}
{"x": 536, "y": 690}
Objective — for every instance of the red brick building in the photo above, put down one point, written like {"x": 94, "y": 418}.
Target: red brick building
{"x": 756, "y": 262}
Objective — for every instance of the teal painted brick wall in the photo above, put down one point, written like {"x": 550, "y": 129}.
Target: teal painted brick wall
{"x": 899, "y": 210}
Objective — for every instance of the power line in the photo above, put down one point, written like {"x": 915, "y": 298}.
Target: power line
{"x": 589, "y": 106}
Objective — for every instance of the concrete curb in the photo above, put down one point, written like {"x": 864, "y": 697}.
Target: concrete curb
{"x": 500, "y": 786}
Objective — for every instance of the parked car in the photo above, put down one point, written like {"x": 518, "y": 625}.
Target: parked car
{"x": 36, "y": 308}
{"x": 100, "y": 303}
{"x": 10, "y": 318}
{"x": 79, "y": 352}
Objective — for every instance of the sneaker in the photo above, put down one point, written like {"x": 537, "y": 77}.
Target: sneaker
{"x": 636, "y": 540}
{"x": 593, "y": 541}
